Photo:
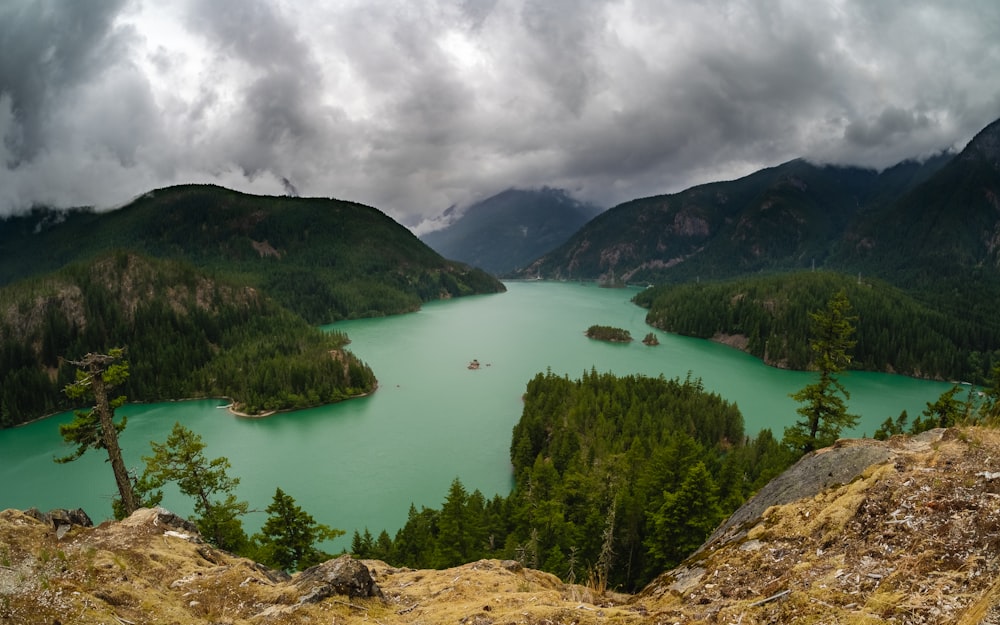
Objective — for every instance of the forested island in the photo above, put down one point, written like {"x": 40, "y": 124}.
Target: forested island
{"x": 616, "y": 478}
{"x": 609, "y": 334}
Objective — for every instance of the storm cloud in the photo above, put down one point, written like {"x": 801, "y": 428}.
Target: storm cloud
{"x": 413, "y": 107}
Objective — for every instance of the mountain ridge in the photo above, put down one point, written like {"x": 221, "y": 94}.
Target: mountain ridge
{"x": 914, "y": 223}
{"x": 325, "y": 259}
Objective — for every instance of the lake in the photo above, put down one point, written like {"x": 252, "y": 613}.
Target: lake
{"x": 362, "y": 462}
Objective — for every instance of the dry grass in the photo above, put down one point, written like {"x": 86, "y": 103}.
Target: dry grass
{"x": 913, "y": 540}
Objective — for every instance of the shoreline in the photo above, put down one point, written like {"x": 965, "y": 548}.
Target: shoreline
{"x": 229, "y": 407}
{"x": 270, "y": 413}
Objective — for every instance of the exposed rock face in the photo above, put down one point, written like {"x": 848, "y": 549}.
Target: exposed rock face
{"x": 343, "y": 576}
{"x": 61, "y": 517}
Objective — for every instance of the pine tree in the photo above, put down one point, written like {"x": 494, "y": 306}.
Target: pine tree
{"x": 95, "y": 428}
{"x": 685, "y": 519}
{"x": 824, "y": 413}
{"x": 181, "y": 459}
{"x": 288, "y": 538}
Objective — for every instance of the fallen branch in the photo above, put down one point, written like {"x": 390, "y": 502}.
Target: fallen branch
{"x": 771, "y": 598}
{"x": 408, "y": 610}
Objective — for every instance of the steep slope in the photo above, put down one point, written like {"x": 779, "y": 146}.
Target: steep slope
{"x": 946, "y": 228}
{"x": 906, "y": 531}
{"x": 781, "y": 218}
{"x": 508, "y": 230}
{"x": 864, "y": 532}
{"x": 324, "y": 259}
{"x": 187, "y": 333}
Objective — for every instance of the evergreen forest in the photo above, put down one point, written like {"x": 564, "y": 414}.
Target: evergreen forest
{"x": 323, "y": 259}
{"x": 896, "y": 332}
{"x": 616, "y": 480}
{"x": 186, "y": 335}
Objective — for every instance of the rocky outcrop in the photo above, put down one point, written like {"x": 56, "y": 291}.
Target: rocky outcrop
{"x": 61, "y": 519}
{"x": 342, "y": 576}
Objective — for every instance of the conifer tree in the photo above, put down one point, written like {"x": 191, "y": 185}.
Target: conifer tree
{"x": 685, "y": 519}
{"x": 181, "y": 459}
{"x": 97, "y": 375}
{"x": 824, "y": 413}
{"x": 289, "y": 536}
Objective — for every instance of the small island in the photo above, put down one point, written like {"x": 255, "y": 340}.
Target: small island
{"x": 651, "y": 340}
{"x": 609, "y": 333}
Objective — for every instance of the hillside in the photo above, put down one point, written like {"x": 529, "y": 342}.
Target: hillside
{"x": 905, "y": 531}
{"x": 926, "y": 227}
{"x": 509, "y": 230}
{"x": 768, "y": 316}
{"x": 944, "y": 232}
{"x": 188, "y": 334}
{"x": 780, "y": 218}
{"x": 324, "y": 259}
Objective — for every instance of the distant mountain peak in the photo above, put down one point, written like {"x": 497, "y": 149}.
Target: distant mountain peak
{"x": 510, "y": 229}
{"x": 985, "y": 144}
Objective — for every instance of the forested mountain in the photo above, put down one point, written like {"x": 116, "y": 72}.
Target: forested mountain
{"x": 509, "y": 230}
{"x": 781, "y": 218}
{"x": 917, "y": 225}
{"x": 942, "y": 234}
{"x": 324, "y": 259}
{"x": 768, "y": 316}
{"x": 212, "y": 292}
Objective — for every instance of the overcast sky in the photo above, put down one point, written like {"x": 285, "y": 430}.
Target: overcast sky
{"x": 415, "y": 105}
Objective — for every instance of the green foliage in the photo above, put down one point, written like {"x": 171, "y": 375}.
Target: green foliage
{"x": 181, "y": 460}
{"x": 890, "y": 428}
{"x": 324, "y": 259}
{"x": 686, "y": 516}
{"x": 823, "y": 410}
{"x": 605, "y": 467}
{"x": 288, "y": 538}
{"x": 897, "y": 332}
{"x": 944, "y": 412}
{"x": 609, "y": 333}
{"x": 189, "y": 335}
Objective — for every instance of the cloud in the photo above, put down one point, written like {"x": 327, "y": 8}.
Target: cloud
{"x": 414, "y": 107}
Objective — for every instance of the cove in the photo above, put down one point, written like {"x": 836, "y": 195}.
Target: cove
{"x": 362, "y": 462}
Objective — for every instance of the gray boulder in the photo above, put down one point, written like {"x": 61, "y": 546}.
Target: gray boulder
{"x": 341, "y": 576}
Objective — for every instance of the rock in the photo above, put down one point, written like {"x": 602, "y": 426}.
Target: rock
{"x": 813, "y": 473}
{"x": 61, "y": 519}
{"x": 342, "y": 576}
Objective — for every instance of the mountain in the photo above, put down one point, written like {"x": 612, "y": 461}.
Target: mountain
{"x": 863, "y": 532}
{"x": 780, "y": 218}
{"x": 509, "y": 230}
{"x": 947, "y": 227}
{"x": 324, "y": 259}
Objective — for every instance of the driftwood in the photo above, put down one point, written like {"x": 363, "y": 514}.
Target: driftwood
{"x": 771, "y": 598}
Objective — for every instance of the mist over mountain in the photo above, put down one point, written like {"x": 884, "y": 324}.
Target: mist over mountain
{"x": 510, "y": 229}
